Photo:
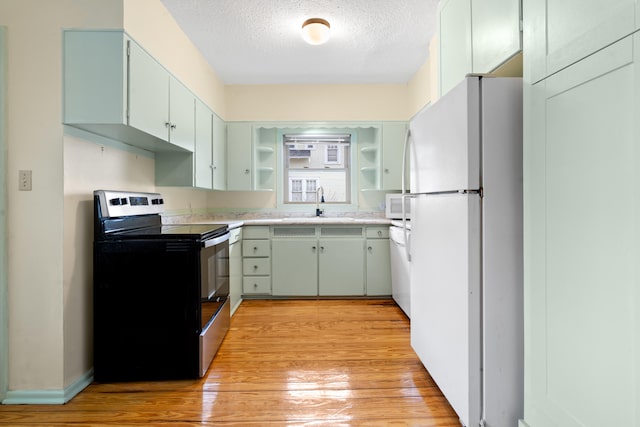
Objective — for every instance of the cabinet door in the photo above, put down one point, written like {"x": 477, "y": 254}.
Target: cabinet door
{"x": 495, "y": 32}
{"x": 393, "y": 136}
{"x": 203, "y": 149}
{"x": 219, "y": 154}
{"x": 148, "y": 93}
{"x": 95, "y": 77}
{"x": 378, "y": 268}
{"x": 181, "y": 115}
{"x": 239, "y": 156}
{"x": 582, "y": 229}
{"x": 559, "y": 33}
{"x": 455, "y": 42}
{"x": 341, "y": 266}
{"x": 295, "y": 267}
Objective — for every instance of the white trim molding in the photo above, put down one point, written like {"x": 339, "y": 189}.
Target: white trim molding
{"x": 48, "y": 397}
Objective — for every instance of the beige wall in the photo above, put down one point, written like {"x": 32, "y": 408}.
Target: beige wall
{"x": 89, "y": 165}
{"x": 423, "y": 86}
{"x": 151, "y": 25}
{"x": 368, "y": 102}
{"x": 36, "y": 288}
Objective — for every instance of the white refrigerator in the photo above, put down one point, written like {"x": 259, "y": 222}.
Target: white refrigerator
{"x": 467, "y": 268}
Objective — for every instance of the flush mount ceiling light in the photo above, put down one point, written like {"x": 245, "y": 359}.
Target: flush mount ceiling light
{"x": 315, "y": 31}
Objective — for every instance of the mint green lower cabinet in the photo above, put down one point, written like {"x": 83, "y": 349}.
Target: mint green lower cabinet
{"x": 582, "y": 234}
{"x": 256, "y": 261}
{"x": 341, "y": 266}
{"x": 295, "y": 267}
{"x": 378, "y": 268}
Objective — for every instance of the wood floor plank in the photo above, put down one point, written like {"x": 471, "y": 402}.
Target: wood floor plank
{"x": 283, "y": 363}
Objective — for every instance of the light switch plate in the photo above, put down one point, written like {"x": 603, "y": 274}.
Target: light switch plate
{"x": 24, "y": 180}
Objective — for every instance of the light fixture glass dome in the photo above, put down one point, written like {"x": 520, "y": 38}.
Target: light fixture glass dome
{"x": 316, "y": 31}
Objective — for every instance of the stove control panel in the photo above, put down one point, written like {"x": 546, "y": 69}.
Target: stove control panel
{"x": 115, "y": 204}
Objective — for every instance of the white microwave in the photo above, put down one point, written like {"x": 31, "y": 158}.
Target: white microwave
{"x": 393, "y": 206}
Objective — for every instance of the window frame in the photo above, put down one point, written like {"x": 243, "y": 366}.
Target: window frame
{"x": 352, "y": 183}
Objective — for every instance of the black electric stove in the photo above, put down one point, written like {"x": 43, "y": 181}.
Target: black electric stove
{"x": 161, "y": 291}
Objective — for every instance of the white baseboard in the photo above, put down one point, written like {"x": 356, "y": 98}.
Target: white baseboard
{"x": 522, "y": 423}
{"x": 234, "y": 308}
{"x": 48, "y": 397}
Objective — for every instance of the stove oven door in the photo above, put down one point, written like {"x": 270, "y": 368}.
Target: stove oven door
{"x": 214, "y": 290}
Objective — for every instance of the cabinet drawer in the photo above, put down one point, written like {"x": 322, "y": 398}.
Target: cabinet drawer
{"x": 256, "y": 232}
{"x": 256, "y": 266}
{"x": 256, "y": 285}
{"x": 256, "y": 248}
{"x": 377, "y": 232}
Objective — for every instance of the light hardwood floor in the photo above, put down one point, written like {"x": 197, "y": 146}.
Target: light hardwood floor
{"x": 283, "y": 363}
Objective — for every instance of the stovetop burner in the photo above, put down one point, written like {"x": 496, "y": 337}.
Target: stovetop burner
{"x": 128, "y": 215}
{"x": 174, "y": 231}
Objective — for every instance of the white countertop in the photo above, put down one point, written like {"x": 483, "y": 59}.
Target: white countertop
{"x": 301, "y": 221}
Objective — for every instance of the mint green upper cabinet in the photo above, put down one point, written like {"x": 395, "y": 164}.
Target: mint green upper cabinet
{"x": 114, "y": 88}
{"x": 454, "y": 25}
{"x": 559, "y": 33}
{"x": 495, "y": 32}
{"x": 219, "y": 153}
{"x": 476, "y": 36}
{"x": 148, "y": 94}
{"x": 393, "y": 137}
{"x": 181, "y": 115}
{"x": 204, "y": 146}
{"x": 158, "y": 103}
{"x": 582, "y": 234}
{"x": 239, "y": 156}
{"x": 95, "y": 68}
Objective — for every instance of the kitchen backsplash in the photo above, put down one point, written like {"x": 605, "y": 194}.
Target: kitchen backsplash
{"x": 245, "y": 216}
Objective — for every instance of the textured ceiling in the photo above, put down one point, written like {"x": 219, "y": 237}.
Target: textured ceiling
{"x": 259, "y": 42}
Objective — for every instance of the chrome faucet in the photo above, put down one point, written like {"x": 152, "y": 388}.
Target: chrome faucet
{"x": 319, "y": 200}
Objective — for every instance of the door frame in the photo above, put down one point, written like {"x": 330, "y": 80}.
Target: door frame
{"x": 4, "y": 332}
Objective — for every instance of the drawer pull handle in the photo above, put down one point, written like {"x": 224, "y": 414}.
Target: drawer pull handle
{"x": 379, "y": 233}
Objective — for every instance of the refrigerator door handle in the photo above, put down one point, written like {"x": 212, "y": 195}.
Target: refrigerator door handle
{"x": 407, "y": 245}
{"x": 405, "y": 151}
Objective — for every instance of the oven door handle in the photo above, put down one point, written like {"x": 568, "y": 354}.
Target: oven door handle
{"x": 216, "y": 240}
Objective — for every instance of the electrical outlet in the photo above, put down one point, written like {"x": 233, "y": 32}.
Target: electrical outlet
{"x": 24, "y": 180}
